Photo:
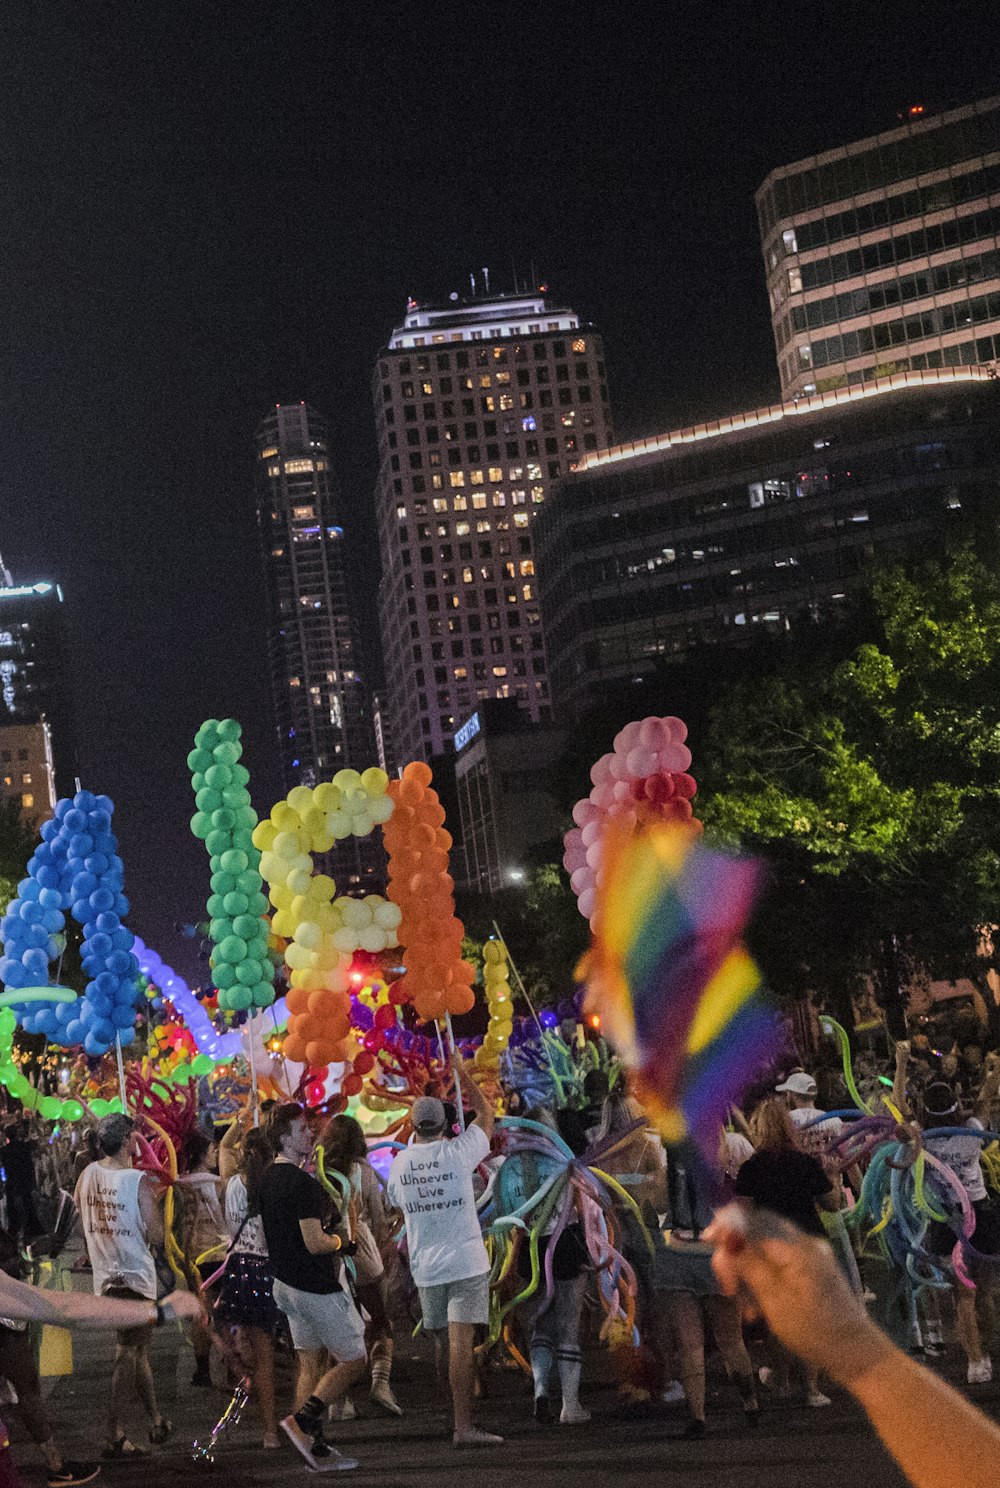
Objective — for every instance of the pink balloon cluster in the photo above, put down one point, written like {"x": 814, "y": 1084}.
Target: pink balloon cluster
{"x": 644, "y": 779}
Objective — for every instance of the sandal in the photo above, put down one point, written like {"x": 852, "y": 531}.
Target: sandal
{"x": 158, "y": 1434}
{"x": 121, "y": 1449}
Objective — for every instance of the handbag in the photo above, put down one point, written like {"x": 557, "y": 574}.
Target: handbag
{"x": 368, "y": 1265}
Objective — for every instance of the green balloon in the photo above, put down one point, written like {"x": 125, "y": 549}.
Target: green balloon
{"x": 49, "y": 1107}
{"x": 248, "y": 882}
{"x": 239, "y": 998}
{"x": 217, "y": 841}
{"x": 224, "y": 883}
{"x": 246, "y": 926}
{"x": 224, "y": 975}
{"x": 216, "y": 906}
{"x": 229, "y": 729}
{"x": 208, "y": 800}
{"x": 197, "y": 782}
{"x": 201, "y": 825}
{"x": 180, "y": 1072}
{"x": 241, "y": 774}
{"x": 218, "y": 776}
{"x": 235, "y": 904}
{"x": 72, "y": 1110}
{"x": 235, "y": 861}
{"x": 227, "y": 752}
{"x": 29, "y": 1097}
{"x": 8, "y": 1021}
{"x": 114, "y": 1106}
{"x": 203, "y": 1064}
{"x": 232, "y": 949}
{"x": 249, "y": 972}
{"x": 262, "y": 994}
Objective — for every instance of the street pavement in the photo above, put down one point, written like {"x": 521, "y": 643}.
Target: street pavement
{"x": 793, "y": 1445}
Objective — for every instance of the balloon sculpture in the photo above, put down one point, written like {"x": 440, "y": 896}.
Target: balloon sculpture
{"x": 323, "y": 931}
{"x": 76, "y": 867}
{"x": 496, "y": 978}
{"x": 437, "y": 980}
{"x": 224, "y": 821}
{"x": 644, "y": 779}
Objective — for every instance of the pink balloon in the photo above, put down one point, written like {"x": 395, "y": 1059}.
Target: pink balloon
{"x": 652, "y": 734}
{"x": 586, "y": 902}
{"x": 627, "y": 738}
{"x": 640, "y": 763}
{"x": 594, "y": 853}
{"x": 622, "y": 792}
{"x": 602, "y": 795}
{"x": 583, "y": 812}
{"x": 677, "y": 757}
{"x": 685, "y": 785}
{"x": 619, "y": 770}
{"x": 582, "y": 879}
{"x": 590, "y": 833}
{"x": 602, "y": 769}
{"x": 677, "y": 728}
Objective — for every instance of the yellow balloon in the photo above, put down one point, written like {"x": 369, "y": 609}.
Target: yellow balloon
{"x": 374, "y": 781}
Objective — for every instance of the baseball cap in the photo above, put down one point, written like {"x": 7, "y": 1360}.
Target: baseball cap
{"x": 940, "y": 1098}
{"x": 427, "y": 1115}
{"x": 113, "y": 1132}
{"x": 798, "y": 1084}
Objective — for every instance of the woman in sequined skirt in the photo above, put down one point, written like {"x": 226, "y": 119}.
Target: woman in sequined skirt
{"x": 245, "y": 1300}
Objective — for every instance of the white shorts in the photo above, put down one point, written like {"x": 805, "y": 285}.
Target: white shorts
{"x": 327, "y": 1320}
{"x": 465, "y": 1301}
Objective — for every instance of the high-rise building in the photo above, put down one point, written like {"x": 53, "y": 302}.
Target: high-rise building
{"x": 480, "y": 405}
{"x": 884, "y": 255}
{"x": 320, "y": 702}
{"x": 34, "y": 671}
{"x": 27, "y": 769}
{"x": 759, "y": 524}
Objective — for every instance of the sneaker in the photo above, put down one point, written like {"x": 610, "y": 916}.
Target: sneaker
{"x": 769, "y": 1380}
{"x": 981, "y": 1372}
{"x": 476, "y": 1438}
{"x": 573, "y": 1415}
{"x": 817, "y": 1399}
{"x": 382, "y": 1395}
{"x": 673, "y": 1394}
{"x": 318, "y": 1454}
{"x": 73, "y": 1472}
{"x": 542, "y": 1413}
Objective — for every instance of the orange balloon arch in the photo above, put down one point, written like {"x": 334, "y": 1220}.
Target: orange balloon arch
{"x": 436, "y": 979}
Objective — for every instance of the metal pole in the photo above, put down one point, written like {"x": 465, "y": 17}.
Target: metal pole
{"x": 523, "y": 989}
{"x": 253, "y": 1069}
{"x": 121, "y": 1072}
{"x": 458, "y": 1083}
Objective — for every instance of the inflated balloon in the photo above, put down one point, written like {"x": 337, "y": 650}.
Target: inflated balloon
{"x": 224, "y": 821}
{"x": 436, "y": 979}
{"x": 322, "y": 931}
{"x": 644, "y": 779}
{"x": 75, "y": 869}
{"x": 500, "y": 1001}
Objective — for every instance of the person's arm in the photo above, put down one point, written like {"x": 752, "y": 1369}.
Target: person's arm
{"x": 83, "y": 1310}
{"x": 229, "y": 1150}
{"x": 149, "y": 1209}
{"x": 318, "y": 1242}
{"x": 899, "y": 1079}
{"x": 989, "y": 1089}
{"x": 466, "y": 1085}
{"x": 935, "y": 1435}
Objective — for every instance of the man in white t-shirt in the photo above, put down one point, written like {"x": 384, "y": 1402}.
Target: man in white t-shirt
{"x": 121, "y": 1224}
{"x": 431, "y": 1182}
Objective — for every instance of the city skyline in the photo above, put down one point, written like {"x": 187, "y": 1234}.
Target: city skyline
{"x": 166, "y": 284}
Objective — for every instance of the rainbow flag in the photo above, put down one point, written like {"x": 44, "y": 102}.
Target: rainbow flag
{"x": 678, "y": 994}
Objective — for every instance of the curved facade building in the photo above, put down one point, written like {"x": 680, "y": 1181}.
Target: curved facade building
{"x": 761, "y": 522}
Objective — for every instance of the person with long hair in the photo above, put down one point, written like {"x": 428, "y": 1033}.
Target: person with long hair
{"x": 345, "y": 1152}
{"x": 792, "y": 1183}
{"x": 246, "y": 1292}
{"x": 201, "y": 1190}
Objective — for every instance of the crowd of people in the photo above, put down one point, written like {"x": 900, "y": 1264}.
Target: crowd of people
{"x": 291, "y": 1239}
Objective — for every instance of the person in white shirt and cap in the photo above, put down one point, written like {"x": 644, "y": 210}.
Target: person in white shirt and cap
{"x": 815, "y": 1131}
{"x": 431, "y": 1183}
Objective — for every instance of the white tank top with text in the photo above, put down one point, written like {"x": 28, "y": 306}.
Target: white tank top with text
{"x": 108, "y": 1201}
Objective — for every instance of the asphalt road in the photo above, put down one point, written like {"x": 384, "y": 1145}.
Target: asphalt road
{"x": 793, "y": 1445}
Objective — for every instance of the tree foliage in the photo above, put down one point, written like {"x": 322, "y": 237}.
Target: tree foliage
{"x": 873, "y": 787}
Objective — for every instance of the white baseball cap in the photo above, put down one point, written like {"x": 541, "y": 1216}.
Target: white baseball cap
{"x": 798, "y": 1084}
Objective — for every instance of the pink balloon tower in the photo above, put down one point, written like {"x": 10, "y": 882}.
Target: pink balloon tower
{"x": 644, "y": 779}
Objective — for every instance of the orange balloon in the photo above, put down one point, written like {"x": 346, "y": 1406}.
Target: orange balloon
{"x": 419, "y": 772}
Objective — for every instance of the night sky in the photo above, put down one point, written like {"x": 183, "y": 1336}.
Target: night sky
{"x": 212, "y": 205}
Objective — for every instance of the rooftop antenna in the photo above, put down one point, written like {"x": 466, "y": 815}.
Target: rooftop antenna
{"x": 5, "y": 578}
{"x": 472, "y": 281}
{"x": 513, "y": 270}
{"x": 486, "y": 278}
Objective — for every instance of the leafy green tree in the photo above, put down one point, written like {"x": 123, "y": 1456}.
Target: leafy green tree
{"x": 543, "y": 929}
{"x": 873, "y": 788}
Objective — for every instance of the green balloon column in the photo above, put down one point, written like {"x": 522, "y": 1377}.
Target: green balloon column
{"x": 242, "y": 969}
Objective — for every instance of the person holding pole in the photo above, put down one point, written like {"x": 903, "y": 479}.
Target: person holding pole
{"x": 431, "y": 1183}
